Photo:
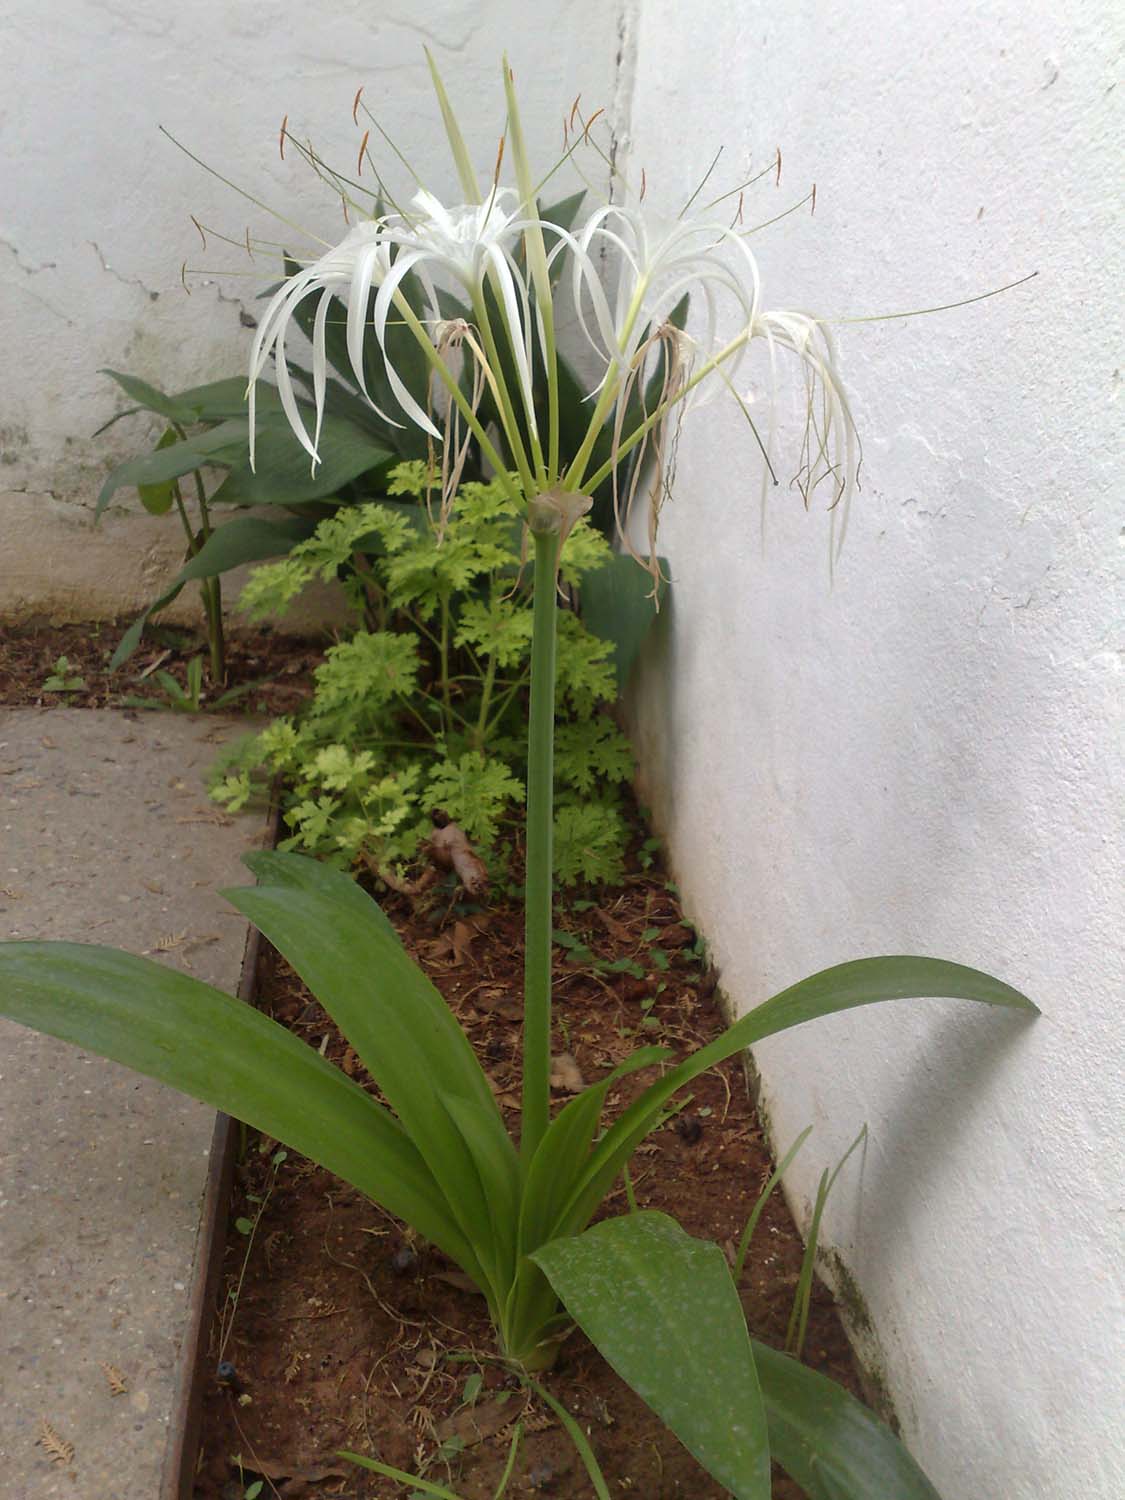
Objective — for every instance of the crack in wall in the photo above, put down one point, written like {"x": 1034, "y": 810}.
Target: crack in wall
{"x": 117, "y": 276}
{"x": 28, "y": 270}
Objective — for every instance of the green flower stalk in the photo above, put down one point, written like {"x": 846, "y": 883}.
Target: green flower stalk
{"x": 493, "y": 252}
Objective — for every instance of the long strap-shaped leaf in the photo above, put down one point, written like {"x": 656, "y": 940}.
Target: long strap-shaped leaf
{"x": 830, "y": 1443}
{"x": 663, "y": 1310}
{"x": 554, "y": 1170}
{"x": 864, "y": 981}
{"x": 185, "y": 1033}
{"x": 346, "y": 951}
{"x": 561, "y": 1157}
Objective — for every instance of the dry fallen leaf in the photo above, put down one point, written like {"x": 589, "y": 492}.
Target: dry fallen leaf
{"x": 566, "y": 1075}
{"x": 57, "y": 1449}
{"x": 615, "y": 928}
{"x": 118, "y": 1385}
{"x": 472, "y": 1424}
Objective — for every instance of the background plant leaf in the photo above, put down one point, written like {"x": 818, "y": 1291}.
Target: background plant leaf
{"x": 283, "y": 474}
{"x": 616, "y": 604}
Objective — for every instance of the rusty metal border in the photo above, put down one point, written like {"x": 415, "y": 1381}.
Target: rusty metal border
{"x": 181, "y": 1452}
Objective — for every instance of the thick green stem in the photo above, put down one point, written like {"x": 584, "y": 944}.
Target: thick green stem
{"x": 540, "y": 829}
{"x": 210, "y": 588}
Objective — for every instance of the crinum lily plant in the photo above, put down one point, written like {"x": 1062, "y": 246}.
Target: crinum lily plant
{"x": 489, "y": 276}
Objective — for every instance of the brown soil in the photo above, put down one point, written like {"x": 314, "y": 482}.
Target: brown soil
{"x": 348, "y": 1333}
{"x": 275, "y": 670}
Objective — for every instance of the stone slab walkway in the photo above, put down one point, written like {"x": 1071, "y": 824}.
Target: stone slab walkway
{"x": 106, "y": 836}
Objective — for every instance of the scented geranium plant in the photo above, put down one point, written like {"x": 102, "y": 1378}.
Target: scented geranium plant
{"x": 433, "y": 1148}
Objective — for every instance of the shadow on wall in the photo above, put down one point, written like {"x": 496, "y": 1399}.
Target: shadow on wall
{"x": 944, "y": 1106}
{"x": 653, "y": 730}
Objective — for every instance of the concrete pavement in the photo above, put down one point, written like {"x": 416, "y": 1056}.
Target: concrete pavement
{"x": 106, "y": 836}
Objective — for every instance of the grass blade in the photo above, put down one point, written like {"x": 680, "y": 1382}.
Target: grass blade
{"x": 388, "y": 1472}
{"x": 763, "y": 1198}
{"x": 799, "y": 1316}
{"x": 577, "y": 1437}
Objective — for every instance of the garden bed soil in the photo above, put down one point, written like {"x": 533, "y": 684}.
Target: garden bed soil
{"x": 344, "y": 1331}
{"x": 275, "y": 670}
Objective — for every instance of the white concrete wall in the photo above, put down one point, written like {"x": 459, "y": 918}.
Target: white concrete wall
{"x": 94, "y": 219}
{"x": 926, "y": 756}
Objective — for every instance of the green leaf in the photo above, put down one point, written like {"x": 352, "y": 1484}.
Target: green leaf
{"x": 242, "y": 540}
{"x": 152, "y": 398}
{"x": 220, "y": 399}
{"x": 663, "y": 1310}
{"x": 589, "y": 843}
{"x": 828, "y": 1442}
{"x": 158, "y": 499}
{"x": 864, "y": 981}
{"x": 616, "y": 603}
{"x": 132, "y": 637}
{"x": 475, "y": 791}
{"x": 187, "y": 1034}
{"x": 222, "y": 445}
{"x": 421, "y": 1486}
{"x": 563, "y": 1150}
{"x": 343, "y": 947}
{"x": 283, "y": 473}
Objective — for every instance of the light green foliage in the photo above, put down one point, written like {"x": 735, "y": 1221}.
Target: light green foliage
{"x": 424, "y": 706}
{"x": 63, "y": 678}
{"x": 589, "y": 842}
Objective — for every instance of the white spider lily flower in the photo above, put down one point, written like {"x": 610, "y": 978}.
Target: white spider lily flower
{"x": 656, "y": 266}
{"x": 467, "y": 245}
{"x": 472, "y": 244}
{"x": 333, "y": 273}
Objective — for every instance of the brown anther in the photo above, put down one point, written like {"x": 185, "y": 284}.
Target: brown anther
{"x": 344, "y": 206}
{"x": 249, "y": 251}
{"x": 574, "y": 109}
{"x": 355, "y": 104}
{"x": 813, "y": 209}
{"x": 199, "y": 226}
{"x": 777, "y": 180}
{"x": 362, "y": 153}
{"x": 741, "y": 196}
{"x": 590, "y": 121}
{"x": 644, "y": 185}
{"x": 183, "y": 278}
{"x": 281, "y": 136}
{"x": 499, "y": 159}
